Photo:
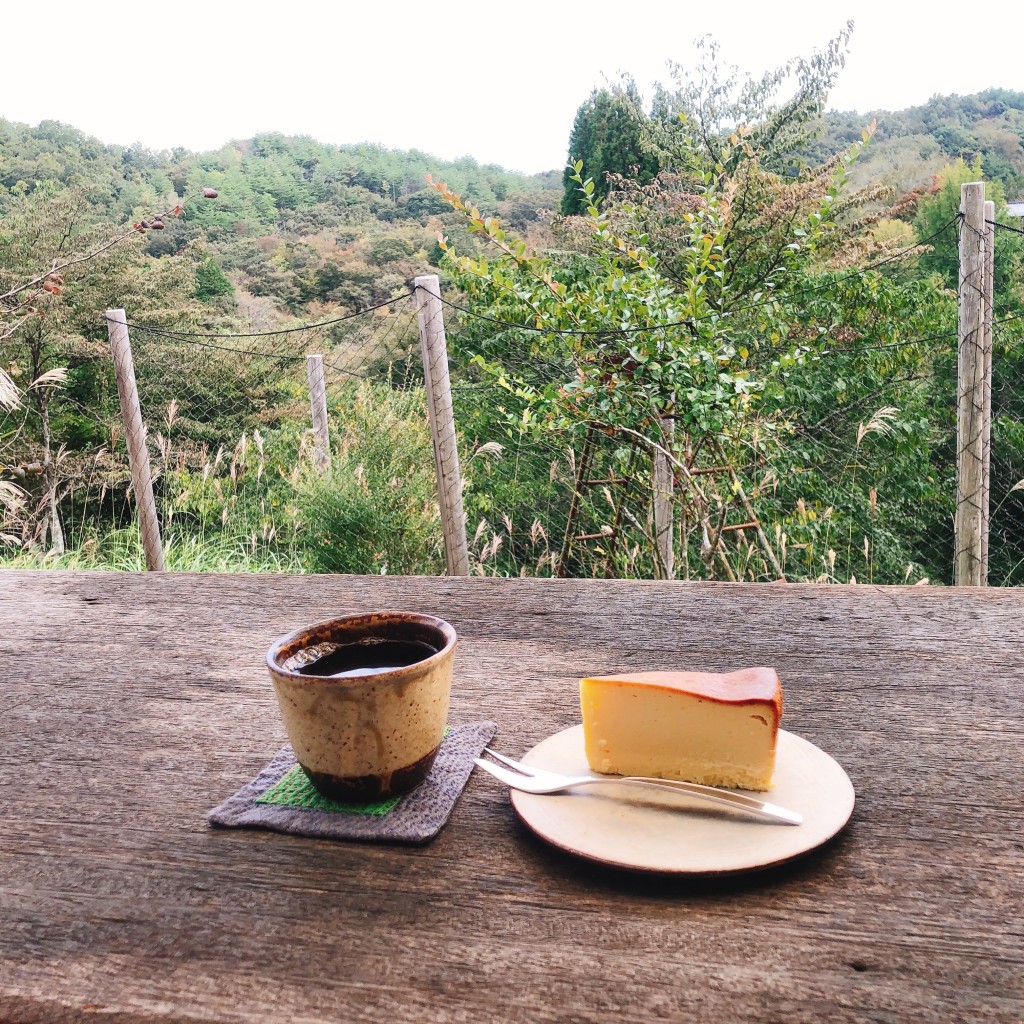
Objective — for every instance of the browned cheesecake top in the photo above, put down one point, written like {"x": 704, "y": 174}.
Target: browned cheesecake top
{"x": 747, "y": 686}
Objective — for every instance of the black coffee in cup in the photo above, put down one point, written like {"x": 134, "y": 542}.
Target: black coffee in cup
{"x": 367, "y": 658}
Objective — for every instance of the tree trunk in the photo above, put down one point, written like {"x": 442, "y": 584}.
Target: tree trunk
{"x": 582, "y": 471}
{"x": 663, "y": 486}
{"x": 49, "y": 476}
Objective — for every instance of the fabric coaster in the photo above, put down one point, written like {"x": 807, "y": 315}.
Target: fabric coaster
{"x": 295, "y": 790}
{"x": 282, "y": 799}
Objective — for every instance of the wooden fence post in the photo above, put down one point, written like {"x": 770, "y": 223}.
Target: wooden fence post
{"x": 664, "y": 486}
{"x": 135, "y": 436}
{"x": 442, "y": 423}
{"x": 970, "y": 518}
{"x": 318, "y": 408}
{"x": 990, "y": 269}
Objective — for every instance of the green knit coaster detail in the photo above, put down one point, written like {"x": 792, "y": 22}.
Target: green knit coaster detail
{"x": 295, "y": 790}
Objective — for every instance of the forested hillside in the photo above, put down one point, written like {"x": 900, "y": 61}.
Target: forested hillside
{"x": 910, "y": 146}
{"x": 751, "y": 292}
{"x": 299, "y": 221}
{"x": 296, "y": 221}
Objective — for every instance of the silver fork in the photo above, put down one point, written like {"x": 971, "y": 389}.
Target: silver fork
{"x": 537, "y": 780}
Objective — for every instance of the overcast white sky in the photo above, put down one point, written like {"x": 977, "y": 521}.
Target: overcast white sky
{"x": 499, "y": 82}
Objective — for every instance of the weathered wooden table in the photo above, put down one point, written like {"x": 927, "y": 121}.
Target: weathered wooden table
{"x": 130, "y": 705}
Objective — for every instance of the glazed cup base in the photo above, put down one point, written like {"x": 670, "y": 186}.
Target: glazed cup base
{"x": 371, "y": 788}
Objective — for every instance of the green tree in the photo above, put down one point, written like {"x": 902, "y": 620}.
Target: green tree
{"x": 388, "y": 248}
{"x": 607, "y": 138}
{"x": 936, "y": 216}
{"x": 211, "y": 281}
{"x": 59, "y": 272}
{"x": 628, "y": 350}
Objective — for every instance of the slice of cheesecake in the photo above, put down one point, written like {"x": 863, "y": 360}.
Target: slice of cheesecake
{"x": 718, "y": 730}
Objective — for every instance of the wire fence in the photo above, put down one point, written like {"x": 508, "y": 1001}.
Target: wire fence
{"x": 231, "y": 449}
{"x": 805, "y": 492}
{"x": 844, "y": 469}
{"x": 230, "y": 425}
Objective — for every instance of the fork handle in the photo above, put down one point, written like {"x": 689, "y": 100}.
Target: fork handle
{"x": 738, "y": 801}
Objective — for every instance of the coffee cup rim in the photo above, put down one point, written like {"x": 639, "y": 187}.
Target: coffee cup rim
{"x": 382, "y": 617}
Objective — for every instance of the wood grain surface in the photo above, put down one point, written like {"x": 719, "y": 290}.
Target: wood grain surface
{"x": 132, "y": 704}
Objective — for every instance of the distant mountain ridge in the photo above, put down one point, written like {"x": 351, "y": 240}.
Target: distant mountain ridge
{"x": 913, "y": 144}
{"x": 272, "y": 175}
{"x": 268, "y": 170}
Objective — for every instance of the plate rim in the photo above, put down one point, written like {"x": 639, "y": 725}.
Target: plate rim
{"x": 515, "y": 797}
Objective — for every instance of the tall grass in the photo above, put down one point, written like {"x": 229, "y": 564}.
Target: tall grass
{"x": 376, "y": 510}
{"x": 121, "y": 550}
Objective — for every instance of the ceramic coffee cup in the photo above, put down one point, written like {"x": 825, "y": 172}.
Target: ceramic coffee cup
{"x": 364, "y": 700}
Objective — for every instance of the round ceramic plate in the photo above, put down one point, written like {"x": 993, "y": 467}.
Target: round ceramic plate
{"x": 680, "y": 835}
